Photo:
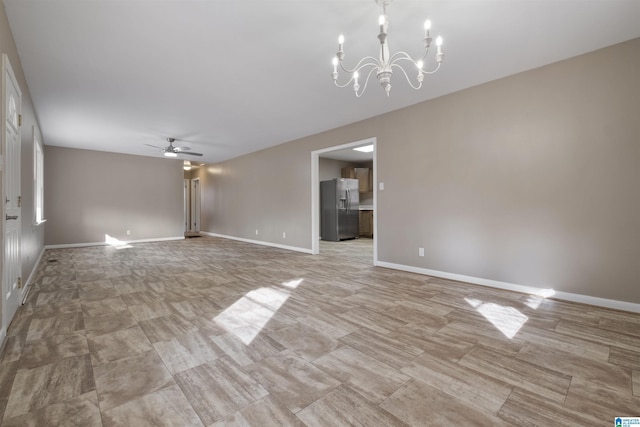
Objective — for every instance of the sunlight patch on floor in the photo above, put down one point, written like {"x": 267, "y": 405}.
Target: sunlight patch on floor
{"x": 246, "y": 317}
{"x": 507, "y": 320}
{"x": 118, "y": 244}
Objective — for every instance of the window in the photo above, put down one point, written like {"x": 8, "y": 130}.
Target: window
{"x": 38, "y": 179}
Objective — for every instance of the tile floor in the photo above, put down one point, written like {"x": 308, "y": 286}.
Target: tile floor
{"x": 213, "y": 332}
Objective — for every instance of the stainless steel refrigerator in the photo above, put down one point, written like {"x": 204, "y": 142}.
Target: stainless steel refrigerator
{"x": 339, "y": 206}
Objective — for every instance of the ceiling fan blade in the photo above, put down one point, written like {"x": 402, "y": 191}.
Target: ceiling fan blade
{"x": 155, "y": 146}
{"x": 181, "y": 149}
{"x": 189, "y": 153}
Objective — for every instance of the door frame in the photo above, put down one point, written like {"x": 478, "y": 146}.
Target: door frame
{"x": 187, "y": 205}
{"x": 6, "y": 318}
{"x": 315, "y": 193}
{"x": 195, "y": 205}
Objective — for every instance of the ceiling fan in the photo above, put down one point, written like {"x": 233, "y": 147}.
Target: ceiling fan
{"x": 172, "y": 151}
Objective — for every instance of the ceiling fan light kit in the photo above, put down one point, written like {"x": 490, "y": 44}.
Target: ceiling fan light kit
{"x": 385, "y": 63}
{"x": 171, "y": 151}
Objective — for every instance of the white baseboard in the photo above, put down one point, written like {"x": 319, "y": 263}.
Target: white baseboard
{"x": 3, "y": 335}
{"x": 258, "y": 242}
{"x": 547, "y": 293}
{"x": 32, "y": 274}
{"x": 127, "y": 242}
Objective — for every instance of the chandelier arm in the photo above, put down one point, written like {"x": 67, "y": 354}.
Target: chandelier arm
{"x": 361, "y": 64}
{"x": 407, "y": 76}
{"x": 432, "y": 71}
{"x": 404, "y": 55}
{"x": 366, "y": 82}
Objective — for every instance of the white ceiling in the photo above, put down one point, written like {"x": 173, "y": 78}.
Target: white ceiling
{"x": 229, "y": 77}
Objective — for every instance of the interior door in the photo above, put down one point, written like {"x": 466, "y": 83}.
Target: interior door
{"x": 11, "y": 280}
{"x": 195, "y": 205}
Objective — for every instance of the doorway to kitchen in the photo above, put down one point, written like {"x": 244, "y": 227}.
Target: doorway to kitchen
{"x": 357, "y": 161}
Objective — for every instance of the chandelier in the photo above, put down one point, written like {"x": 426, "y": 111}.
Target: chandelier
{"x": 383, "y": 65}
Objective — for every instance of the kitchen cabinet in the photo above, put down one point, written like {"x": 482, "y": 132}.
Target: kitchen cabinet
{"x": 366, "y": 223}
{"x": 363, "y": 175}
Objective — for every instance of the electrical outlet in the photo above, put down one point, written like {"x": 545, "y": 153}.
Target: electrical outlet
{"x": 256, "y": 232}
{"x": 420, "y": 251}
{"x": 381, "y": 186}
{"x": 128, "y": 232}
{"x": 284, "y": 235}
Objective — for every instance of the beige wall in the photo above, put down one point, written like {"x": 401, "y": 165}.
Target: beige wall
{"x": 32, "y": 237}
{"x": 532, "y": 179}
{"x": 330, "y": 168}
{"x": 89, "y": 194}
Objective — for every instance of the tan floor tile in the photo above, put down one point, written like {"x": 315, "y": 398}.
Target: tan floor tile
{"x": 128, "y": 379}
{"x": 473, "y": 388}
{"x": 218, "y": 389}
{"x": 419, "y": 404}
{"x": 387, "y": 350}
{"x": 625, "y": 357}
{"x": 305, "y": 341}
{"x": 57, "y": 308}
{"x": 103, "y": 306}
{"x": 596, "y": 334}
{"x": 13, "y": 347}
{"x": 372, "y": 379}
{"x": 46, "y": 298}
{"x": 187, "y": 351}
{"x": 605, "y": 374}
{"x": 167, "y": 327}
{"x": 524, "y": 408}
{"x": 60, "y": 325}
{"x": 224, "y": 316}
{"x": 443, "y": 347}
{"x": 377, "y": 322}
{"x": 573, "y": 345}
{"x": 45, "y": 385}
{"x": 8, "y": 372}
{"x": 107, "y": 323}
{"x": 52, "y": 349}
{"x": 292, "y": 380}
{"x": 248, "y": 351}
{"x": 118, "y": 345}
{"x": 506, "y": 368}
{"x": 80, "y": 411}
{"x": 165, "y": 407}
{"x": 343, "y": 406}
{"x": 266, "y": 412}
{"x": 602, "y": 403}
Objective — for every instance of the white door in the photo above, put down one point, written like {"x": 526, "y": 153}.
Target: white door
{"x": 11, "y": 281}
{"x": 195, "y": 205}
{"x": 187, "y": 219}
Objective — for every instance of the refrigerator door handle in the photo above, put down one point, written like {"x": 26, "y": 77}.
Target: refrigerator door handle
{"x": 348, "y": 201}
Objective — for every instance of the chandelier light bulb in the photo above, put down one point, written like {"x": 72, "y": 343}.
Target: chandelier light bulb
{"x": 439, "y": 41}
{"x": 381, "y": 20}
{"x": 420, "y": 64}
{"x": 335, "y": 61}
{"x": 340, "y": 39}
{"x": 427, "y": 25}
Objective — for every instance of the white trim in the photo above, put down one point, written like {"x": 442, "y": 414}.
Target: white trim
{"x": 258, "y": 242}
{"x": 315, "y": 193}
{"x": 32, "y": 274}
{"x": 567, "y": 296}
{"x": 3, "y": 335}
{"x": 82, "y": 245}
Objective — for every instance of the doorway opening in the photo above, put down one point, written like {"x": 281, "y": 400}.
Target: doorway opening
{"x": 342, "y": 161}
{"x": 192, "y": 207}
